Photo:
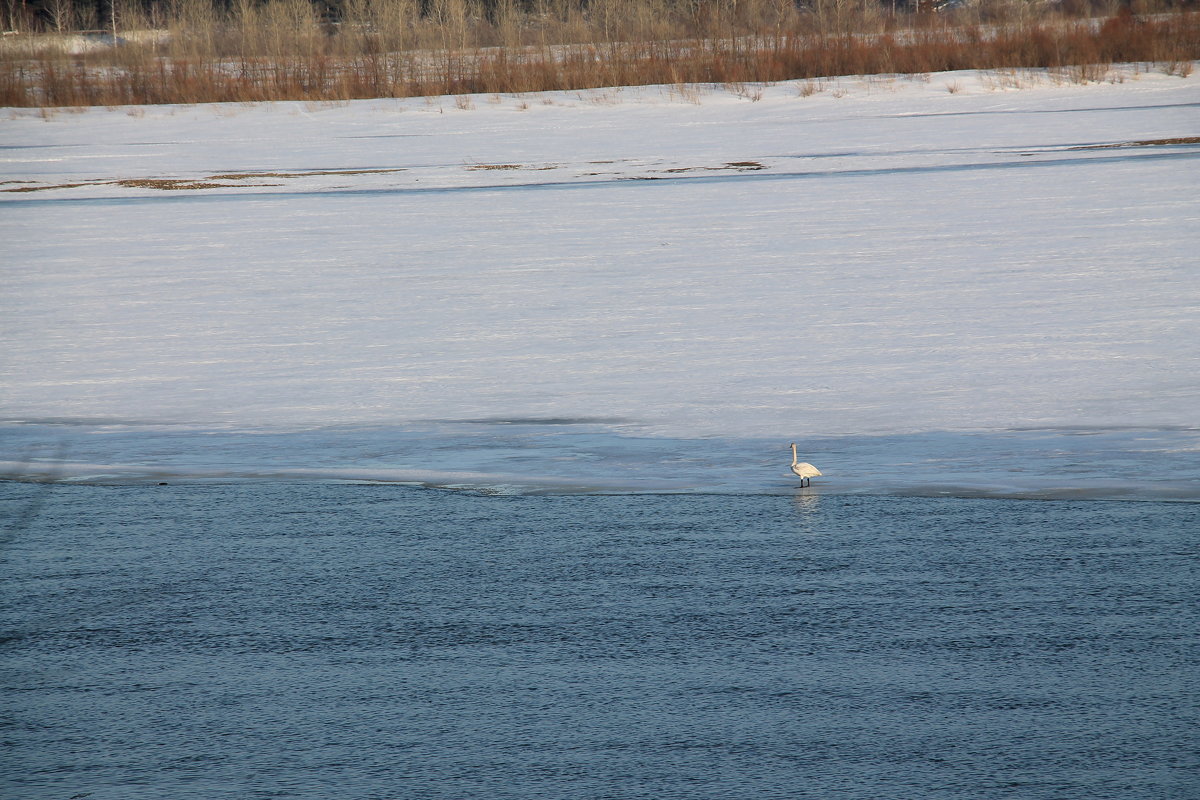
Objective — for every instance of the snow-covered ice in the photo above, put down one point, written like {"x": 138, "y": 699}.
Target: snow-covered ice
{"x": 936, "y": 285}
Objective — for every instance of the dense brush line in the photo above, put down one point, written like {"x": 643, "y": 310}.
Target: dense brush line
{"x": 295, "y": 50}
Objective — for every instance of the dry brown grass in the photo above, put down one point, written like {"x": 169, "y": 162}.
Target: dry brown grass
{"x": 282, "y": 50}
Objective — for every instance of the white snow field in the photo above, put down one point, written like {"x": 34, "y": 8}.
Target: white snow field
{"x": 954, "y": 284}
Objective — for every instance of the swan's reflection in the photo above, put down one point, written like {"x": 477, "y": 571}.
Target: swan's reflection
{"x": 806, "y": 502}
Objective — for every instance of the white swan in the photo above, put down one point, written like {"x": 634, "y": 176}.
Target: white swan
{"x": 804, "y": 470}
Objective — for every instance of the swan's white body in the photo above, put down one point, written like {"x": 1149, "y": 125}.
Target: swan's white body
{"x": 803, "y": 470}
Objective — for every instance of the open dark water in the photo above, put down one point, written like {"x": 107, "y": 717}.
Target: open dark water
{"x": 317, "y": 640}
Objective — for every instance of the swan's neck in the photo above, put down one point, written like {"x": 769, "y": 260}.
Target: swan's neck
{"x": 794, "y": 461}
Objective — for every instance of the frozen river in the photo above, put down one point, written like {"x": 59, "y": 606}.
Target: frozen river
{"x": 986, "y": 290}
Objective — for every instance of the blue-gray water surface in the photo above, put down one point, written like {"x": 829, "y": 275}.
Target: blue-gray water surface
{"x": 319, "y": 640}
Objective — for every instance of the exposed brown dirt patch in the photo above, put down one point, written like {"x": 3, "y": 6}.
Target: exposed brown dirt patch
{"x": 171, "y": 184}
{"x": 242, "y": 176}
{"x": 43, "y": 188}
{"x": 740, "y": 166}
{"x": 1140, "y": 143}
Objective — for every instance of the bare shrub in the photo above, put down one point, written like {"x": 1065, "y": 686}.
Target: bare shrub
{"x": 810, "y": 87}
{"x": 1180, "y": 68}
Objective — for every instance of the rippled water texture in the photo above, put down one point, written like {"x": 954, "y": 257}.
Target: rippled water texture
{"x": 254, "y": 640}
